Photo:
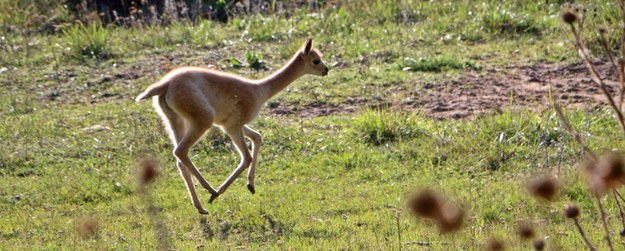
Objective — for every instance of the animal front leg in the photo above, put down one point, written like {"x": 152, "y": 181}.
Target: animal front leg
{"x": 239, "y": 141}
{"x": 257, "y": 141}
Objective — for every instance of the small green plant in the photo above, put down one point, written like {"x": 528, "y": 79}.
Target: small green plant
{"x": 255, "y": 60}
{"x": 436, "y": 64}
{"x": 88, "y": 41}
{"x": 235, "y": 62}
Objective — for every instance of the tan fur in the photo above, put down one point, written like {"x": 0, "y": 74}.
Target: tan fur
{"x": 190, "y": 100}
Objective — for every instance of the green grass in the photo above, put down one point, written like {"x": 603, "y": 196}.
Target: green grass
{"x": 88, "y": 41}
{"x": 333, "y": 182}
{"x": 331, "y": 190}
{"x": 378, "y": 127}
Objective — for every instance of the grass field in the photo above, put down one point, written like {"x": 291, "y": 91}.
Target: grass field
{"x": 71, "y": 136}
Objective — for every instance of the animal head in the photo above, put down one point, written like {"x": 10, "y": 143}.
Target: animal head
{"x": 312, "y": 60}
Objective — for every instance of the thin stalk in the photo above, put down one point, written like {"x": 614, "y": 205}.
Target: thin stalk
{"x": 620, "y": 210}
{"x": 581, "y": 231}
{"x": 605, "y": 223}
{"x": 619, "y": 195}
{"x": 621, "y": 4}
{"x": 560, "y": 156}
{"x": 567, "y": 126}
{"x": 581, "y": 50}
{"x": 615, "y": 65}
{"x": 622, "y": 63}
{"x": 398, "y": 231}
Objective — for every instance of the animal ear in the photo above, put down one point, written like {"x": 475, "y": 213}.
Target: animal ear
{"x": 307, "y": 46}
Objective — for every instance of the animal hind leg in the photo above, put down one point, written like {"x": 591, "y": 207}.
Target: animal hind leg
{"x": 177, "y": 130}
{"x": 193, "y": 134}
{"x": 198, "y": 117}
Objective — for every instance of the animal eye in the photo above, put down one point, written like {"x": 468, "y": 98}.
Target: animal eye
{"x": 316, "y": 61}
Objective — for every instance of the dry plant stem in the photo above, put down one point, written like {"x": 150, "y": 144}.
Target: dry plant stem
{"x": 619, "y": 195}
{"x": 621, "y": 79}
{"x": 621, "y": 4}
{"x": 605, "y": 223}
{"x": 160, "y": 229}
{"x": 560, "y": 156}
{"x": 615, "y": 65}
{"x": 620, "y": 210}
{"x": 580, "y": 24}
{"x": 621, "y": 69}
{"x": 573, "y": 132}
{"x": 581, "y": 231}
{"x": 581, "y": 50}
{"x": 398, "y": 230}
{"x": 606, "y": 47}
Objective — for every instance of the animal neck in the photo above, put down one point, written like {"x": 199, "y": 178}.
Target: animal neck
{"x": 282, "y": 78}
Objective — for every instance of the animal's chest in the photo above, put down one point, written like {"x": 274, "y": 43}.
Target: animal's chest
{"x": 236, "y": 110}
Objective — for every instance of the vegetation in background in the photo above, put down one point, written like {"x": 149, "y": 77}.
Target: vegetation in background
{"x": 378, "y": 127}
{"x": 87, "y": 42}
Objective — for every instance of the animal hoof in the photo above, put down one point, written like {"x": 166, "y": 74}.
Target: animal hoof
{"x": 202, "y": 211}
{"x": 213, "y": 197}
{"x": 251, "y": 188}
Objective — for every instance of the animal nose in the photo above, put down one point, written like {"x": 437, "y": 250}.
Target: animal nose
{"x": 326, "y": 70}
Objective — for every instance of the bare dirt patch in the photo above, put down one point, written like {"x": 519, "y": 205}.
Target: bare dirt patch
{"x": 488, "y": 91}
{"x": 471, "y": 94}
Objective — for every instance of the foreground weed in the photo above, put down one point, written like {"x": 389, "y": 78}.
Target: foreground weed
{"x": 604, "y": 173}
{"x": 572, "y": 212}
{"x": 431, "y": 205}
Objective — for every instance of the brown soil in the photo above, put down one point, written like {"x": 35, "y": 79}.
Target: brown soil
{"x": 471, "y": 94}
{"x": 475, "y": 93}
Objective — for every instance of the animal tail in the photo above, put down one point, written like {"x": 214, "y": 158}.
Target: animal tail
{"x": 154, "y": 90}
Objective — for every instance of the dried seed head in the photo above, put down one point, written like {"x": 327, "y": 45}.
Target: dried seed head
{"x": 569, "y": 16}
{"x": 525, "y": 231}
{"x": 148, "y": 171}
{"x": 571, "y": 211}
{"x": 494, "y": 245}
{"x": 429, "y": 204}
{"x": 614, "y": 170}
{"x": 426, "y": 204}
{"x": 544, "y": 187}
{"x": 539, "y": 244}
{"x": 605, "y": 173}
{"x": 87, "y": 228}
{"x": 451, "y": 218}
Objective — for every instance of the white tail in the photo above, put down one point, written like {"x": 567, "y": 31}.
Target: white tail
{"x": 190, "y": 100}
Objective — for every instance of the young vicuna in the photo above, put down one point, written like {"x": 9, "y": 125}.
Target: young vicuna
{"x": 190, "y": 100}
